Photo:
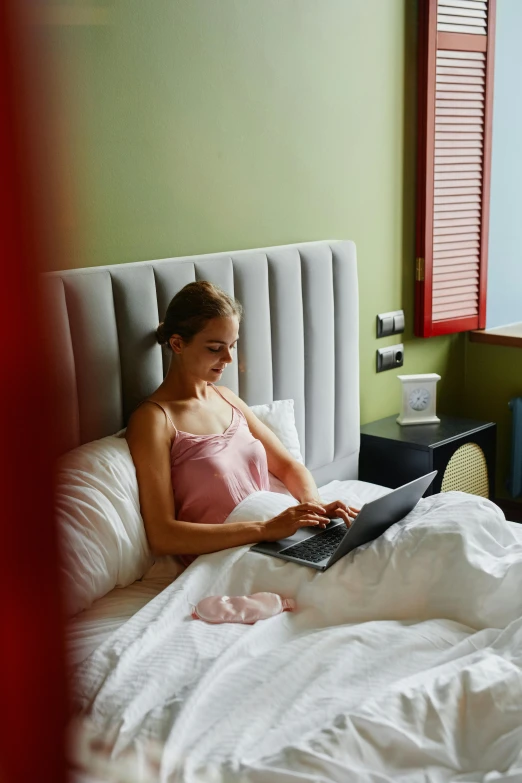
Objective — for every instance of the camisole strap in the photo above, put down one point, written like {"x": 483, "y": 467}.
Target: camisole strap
{"x": 224, "y": 398}
{"x": 164, "y": 411}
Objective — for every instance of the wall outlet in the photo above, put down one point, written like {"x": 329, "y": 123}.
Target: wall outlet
{"x": 388, "y": 358}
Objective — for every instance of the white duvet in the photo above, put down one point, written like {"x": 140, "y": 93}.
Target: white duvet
{"x": 402, "y": 662}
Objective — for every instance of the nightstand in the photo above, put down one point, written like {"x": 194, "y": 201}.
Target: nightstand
{"x": 462, "y": 450}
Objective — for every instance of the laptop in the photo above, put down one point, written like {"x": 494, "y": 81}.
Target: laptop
{"x": 321, "y": 549}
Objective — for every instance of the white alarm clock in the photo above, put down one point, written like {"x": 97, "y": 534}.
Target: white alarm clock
{"x": 418, "y": 399}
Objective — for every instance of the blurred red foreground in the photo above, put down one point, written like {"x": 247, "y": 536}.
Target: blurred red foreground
{"x": 32, "y": 663}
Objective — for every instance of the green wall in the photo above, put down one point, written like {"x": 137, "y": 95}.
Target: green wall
{"x": 493, "y": 376}
{"x": 195, "y": 126}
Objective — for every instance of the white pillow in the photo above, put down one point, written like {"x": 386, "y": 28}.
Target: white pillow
{"x": 279, "y": 417}
{"x": 101, "y": 528}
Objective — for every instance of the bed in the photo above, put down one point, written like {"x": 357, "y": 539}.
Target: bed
{"x": 402, "y": 661}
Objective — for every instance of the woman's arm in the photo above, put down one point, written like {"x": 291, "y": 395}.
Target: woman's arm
{"x": 295, "y": 476}
{"x": 149, "y": 442}
{"x": 299, "y": 481}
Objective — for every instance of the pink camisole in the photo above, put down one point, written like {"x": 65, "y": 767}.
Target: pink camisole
{"x": 211, "y": 474}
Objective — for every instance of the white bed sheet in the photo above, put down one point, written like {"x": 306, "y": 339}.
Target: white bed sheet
{"x": 89, "y": 629}
{"x": 416, "y": 675}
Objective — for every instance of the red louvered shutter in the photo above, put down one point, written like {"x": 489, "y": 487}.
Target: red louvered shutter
{"x": 456, "y": 40}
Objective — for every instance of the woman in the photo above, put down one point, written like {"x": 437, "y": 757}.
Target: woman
{"x": 199, "y": 450}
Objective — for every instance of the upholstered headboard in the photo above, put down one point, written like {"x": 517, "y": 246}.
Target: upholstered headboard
{"x": 298, "y": 339}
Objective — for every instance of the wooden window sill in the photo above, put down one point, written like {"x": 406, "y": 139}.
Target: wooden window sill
{"x": 510, "y": 335}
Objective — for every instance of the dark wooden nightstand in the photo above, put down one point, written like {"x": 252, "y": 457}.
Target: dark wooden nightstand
{"x": 462, "y": 450}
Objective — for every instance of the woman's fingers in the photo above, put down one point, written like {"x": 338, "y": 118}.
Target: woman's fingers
{"x": 313, "y": 519}
{"x": 349, "y": 509}
{"x": 338, "y": 505}
{"x": 345, "y": 517}
{"x": 306, "y": 522}
{"x": 339, "y": 509}
{"x": 310, "y": 505}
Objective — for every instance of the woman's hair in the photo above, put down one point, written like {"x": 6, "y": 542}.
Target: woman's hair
{"x": 191, "y": 309}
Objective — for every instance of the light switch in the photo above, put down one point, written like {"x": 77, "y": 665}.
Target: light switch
{"x": 398, "y": 322}
{"x": 387, "y": 324}
{"x": 387, "y": 360}
{"x": 390, "y": 323}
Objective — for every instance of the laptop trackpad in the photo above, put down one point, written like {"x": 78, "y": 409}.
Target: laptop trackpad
{"x": 303, "y": 533}
{"x": 300, "y": 535}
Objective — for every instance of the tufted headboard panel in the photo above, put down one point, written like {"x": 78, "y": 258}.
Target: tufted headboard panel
{"x": 298, "y": 339}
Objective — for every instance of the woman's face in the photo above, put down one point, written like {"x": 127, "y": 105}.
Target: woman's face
{"x": 210, "y": 350}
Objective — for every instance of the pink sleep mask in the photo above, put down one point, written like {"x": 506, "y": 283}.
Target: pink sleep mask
{"x": 246, "y": 609}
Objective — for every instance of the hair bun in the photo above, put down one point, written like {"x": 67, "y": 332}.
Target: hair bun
{"x": 160, "y": 334}
{"x": 192, "y": 308}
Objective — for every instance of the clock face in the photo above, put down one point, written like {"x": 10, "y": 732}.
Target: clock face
{"x": 419, "y": 399}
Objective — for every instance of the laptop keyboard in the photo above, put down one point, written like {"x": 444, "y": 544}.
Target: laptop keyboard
{"x": 318, "y": 547}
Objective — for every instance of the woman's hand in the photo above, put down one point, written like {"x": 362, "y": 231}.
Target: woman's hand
{"x": 309, "y": 514}
{"x": 339, "y": 509}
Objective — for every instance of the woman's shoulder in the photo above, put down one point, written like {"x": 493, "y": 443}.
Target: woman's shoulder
{"x": 149, "y": 417}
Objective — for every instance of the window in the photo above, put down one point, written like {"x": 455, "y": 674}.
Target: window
{"x": 456, "y": 52}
